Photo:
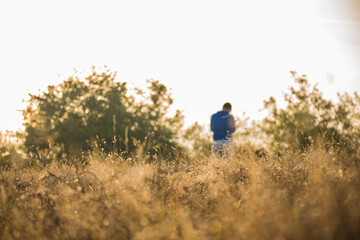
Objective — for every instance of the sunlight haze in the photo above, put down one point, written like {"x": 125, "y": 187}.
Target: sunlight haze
{"x": 207, "y": 52}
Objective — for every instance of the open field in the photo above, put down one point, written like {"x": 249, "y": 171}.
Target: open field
{"x": 298, "y": 196}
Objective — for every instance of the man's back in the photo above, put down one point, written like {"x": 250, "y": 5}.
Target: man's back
{"x": 222, "y": 125}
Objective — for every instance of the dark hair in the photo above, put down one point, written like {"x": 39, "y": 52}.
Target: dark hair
{"x": 227, "y": 106}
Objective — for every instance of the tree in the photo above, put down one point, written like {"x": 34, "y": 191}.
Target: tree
{"x": 79, "y": 114}
{"x": 308, "y": 117}
{"x": 198, "y": 139}
{"x": 10, "y": 152}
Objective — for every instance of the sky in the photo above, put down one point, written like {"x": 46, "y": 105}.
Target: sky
{"x": 207, "y": 52}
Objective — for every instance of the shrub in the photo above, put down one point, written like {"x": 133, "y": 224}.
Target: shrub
{"x": 309, "y": 118}
{"x": 76, "y": 115}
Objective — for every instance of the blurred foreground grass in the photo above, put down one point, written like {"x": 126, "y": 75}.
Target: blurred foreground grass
{"x": 297, "y": 196}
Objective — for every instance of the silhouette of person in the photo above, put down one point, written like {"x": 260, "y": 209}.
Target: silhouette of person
{"x": 223, "y": 125}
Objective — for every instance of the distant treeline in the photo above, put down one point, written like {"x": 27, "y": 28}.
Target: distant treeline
{"x": 99, "y": 113}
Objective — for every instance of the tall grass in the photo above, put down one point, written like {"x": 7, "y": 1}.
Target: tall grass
{"x": 296, "y": 196}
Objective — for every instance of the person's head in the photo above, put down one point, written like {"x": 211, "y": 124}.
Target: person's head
{"x": 227, "y": 107}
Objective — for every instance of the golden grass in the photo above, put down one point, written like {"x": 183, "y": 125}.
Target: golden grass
{"x": 297, "y": 196}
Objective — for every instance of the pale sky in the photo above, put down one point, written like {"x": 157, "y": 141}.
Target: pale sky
{"x": 207, "y": 52}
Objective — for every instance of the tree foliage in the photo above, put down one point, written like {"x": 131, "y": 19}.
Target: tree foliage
{"x": 198, "y": 139}
{"x": 5, "y": 152}
{"x": 10, "y": 150}
{"x": 309, "y": 118}
{"x": 77, "y": 115}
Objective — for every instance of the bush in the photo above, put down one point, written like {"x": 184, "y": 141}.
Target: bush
{"x": 10, "y": 151}
{"x": 309, "y": 118}
{"x": 78, "y": 115}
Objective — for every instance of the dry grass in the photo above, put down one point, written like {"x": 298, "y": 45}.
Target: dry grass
{"x": 298, "y": 196}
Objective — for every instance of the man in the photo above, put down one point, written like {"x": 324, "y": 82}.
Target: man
{"x": 223, "y": 125}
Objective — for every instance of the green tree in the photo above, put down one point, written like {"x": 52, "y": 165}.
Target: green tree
{"x": 10, "y": 152}
{"x": 76, "y": 115}
{"x": 308, "y": 117}
{"x": 198, "y": 139}
{"x": 5, "y": 151}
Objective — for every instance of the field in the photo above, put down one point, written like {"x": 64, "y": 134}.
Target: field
{"x": 315, "y": 195}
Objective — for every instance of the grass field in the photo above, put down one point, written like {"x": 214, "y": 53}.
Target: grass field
{"x": 297, "y": 196}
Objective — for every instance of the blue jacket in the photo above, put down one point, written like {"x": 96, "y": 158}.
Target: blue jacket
{"x": 223, "y": 125}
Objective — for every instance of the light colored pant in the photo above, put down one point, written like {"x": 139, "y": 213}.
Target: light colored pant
{"x": 223, "y": 148}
